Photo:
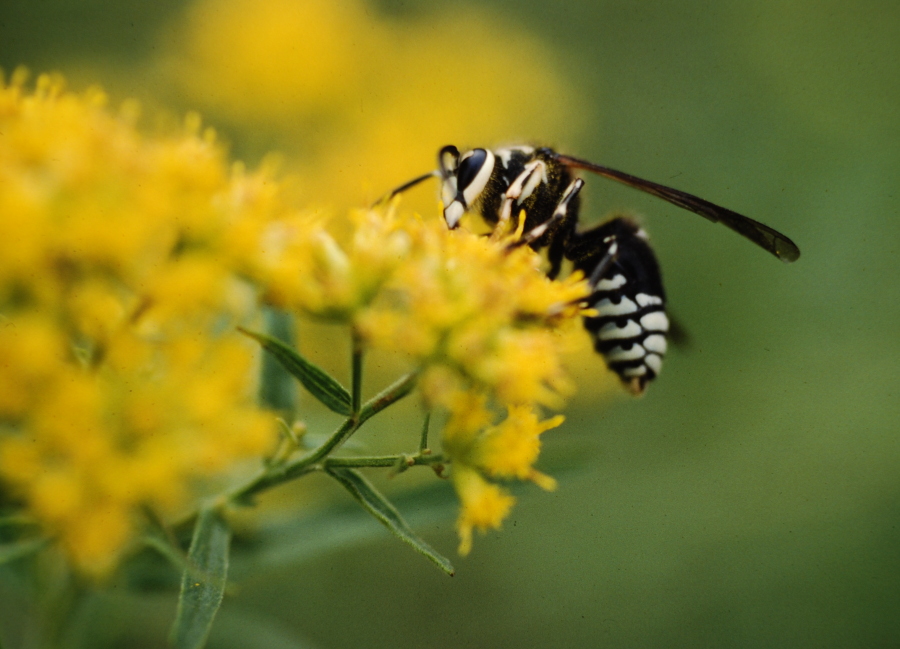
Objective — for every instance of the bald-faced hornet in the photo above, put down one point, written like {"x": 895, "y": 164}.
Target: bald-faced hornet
{"x": 630, "y": 326}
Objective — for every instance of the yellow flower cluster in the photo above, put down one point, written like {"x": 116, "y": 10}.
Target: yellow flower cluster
{"x": 122, "y": 384}
{"x": 302, "y": 267}
{"x": 472, "y": 311}
{"x": 480, "y": 321}
{"x": 481, "y": 450}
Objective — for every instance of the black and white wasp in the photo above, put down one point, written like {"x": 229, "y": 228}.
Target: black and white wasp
{"x": 630, "y": 326}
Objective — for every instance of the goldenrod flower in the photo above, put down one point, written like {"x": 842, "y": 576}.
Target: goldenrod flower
{"x": 479, "y": 320}
{"x": 510, "y": 449}
{"x": 484, "y": 505}
{"x": 482, "y": 451}
{"x": 488, "y": 314}
{"x": 122, "y": 385}
{"x": 302, "y": 266}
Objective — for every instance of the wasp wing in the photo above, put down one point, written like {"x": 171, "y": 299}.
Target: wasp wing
{"x": 759, "y": 233}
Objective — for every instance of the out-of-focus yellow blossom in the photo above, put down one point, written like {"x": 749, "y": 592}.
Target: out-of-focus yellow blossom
{"x": 122, "y": 385}
{"x": 365, "y": 98}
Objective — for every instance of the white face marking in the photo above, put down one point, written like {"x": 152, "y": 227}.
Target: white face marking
{"x": 448, "y": 190}
{"x": 655, "y": 321}
{"x": 610, "y": 331}
{"x": 453, "y": 213}
{"x": 611, "y": 284}
{"x": 473, "y": 191}
{"x": 654, "y": 362}
{"x": 646, "y": 300}
{"x": 655, "y": 343}
{"x": 641, "y": 233}
{"x": 607, "y": 308}
{"x": 640, "y": 370}
{"x": 617, "y": 354}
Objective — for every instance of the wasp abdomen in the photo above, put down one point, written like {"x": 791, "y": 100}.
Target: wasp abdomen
{"x": 631, "y": 338}
{"x": 630, "y": 327}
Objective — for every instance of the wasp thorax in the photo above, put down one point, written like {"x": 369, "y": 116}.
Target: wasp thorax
{"x": 464, "y": 179}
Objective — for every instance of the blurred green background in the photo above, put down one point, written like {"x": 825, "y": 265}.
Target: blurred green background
{"x": 752, "y": 497}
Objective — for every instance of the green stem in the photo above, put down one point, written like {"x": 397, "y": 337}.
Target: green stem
{"x": 391, "y": 394}
{"x": 423, "y": 443}
{"x": 383, "y": 461}
{"x": 308, "y": 463}
{"x": 356, "y": 382}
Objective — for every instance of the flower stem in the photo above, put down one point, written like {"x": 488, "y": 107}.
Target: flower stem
{"x": 356, "y": 381}
{"x": 279, "y": 474}
{"x": 383, "y": 461}
{"x": 423, "y": 442}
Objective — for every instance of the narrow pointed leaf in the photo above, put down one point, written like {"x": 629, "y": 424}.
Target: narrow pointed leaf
{"x": 158, "y": 538}
{"x": 277, "y": 388}
{"x": 14, "y": 551}
{"x": 318, "y": 532}
{"x": 318, "y": 382}
{"x": 203, "y": 586}
{"x": 377, "y": 505}
{"x": 171, "y": 554}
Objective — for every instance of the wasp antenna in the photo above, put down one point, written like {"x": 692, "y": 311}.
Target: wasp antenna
{"x": 762, "y": 235}
{"x": 407, "y": 185}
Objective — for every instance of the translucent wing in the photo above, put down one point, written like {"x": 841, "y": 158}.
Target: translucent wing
{"x": 759, "y": 233}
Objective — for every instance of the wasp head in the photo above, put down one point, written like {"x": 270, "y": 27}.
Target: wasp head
{"x": 464, "y": 178}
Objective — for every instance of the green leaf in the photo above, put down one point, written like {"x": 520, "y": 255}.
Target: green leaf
{"x": 321, "y": 385}
{"x": 203, "y": 586}
{"x": 158, "y": 538}
{"x": 13, "y": 551}
{"x": 165, "y": 549}
{"x": 277, "y": 388}
{"x": 377, "y": 505}
{"x": 316, "y": 532}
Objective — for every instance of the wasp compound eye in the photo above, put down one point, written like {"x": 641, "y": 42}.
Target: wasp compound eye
{"x": 463, "y": 187}
{"x": 469, "y": 167}
{"x": 474, "y": 171}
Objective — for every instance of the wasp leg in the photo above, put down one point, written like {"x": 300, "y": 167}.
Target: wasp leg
{"x": 519, "y": 189}
{"x": 559, "y": 214}
{"x": 594, "y": 251}
{"x": 562, "y": 221}
{"x": 605, "y": 262}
